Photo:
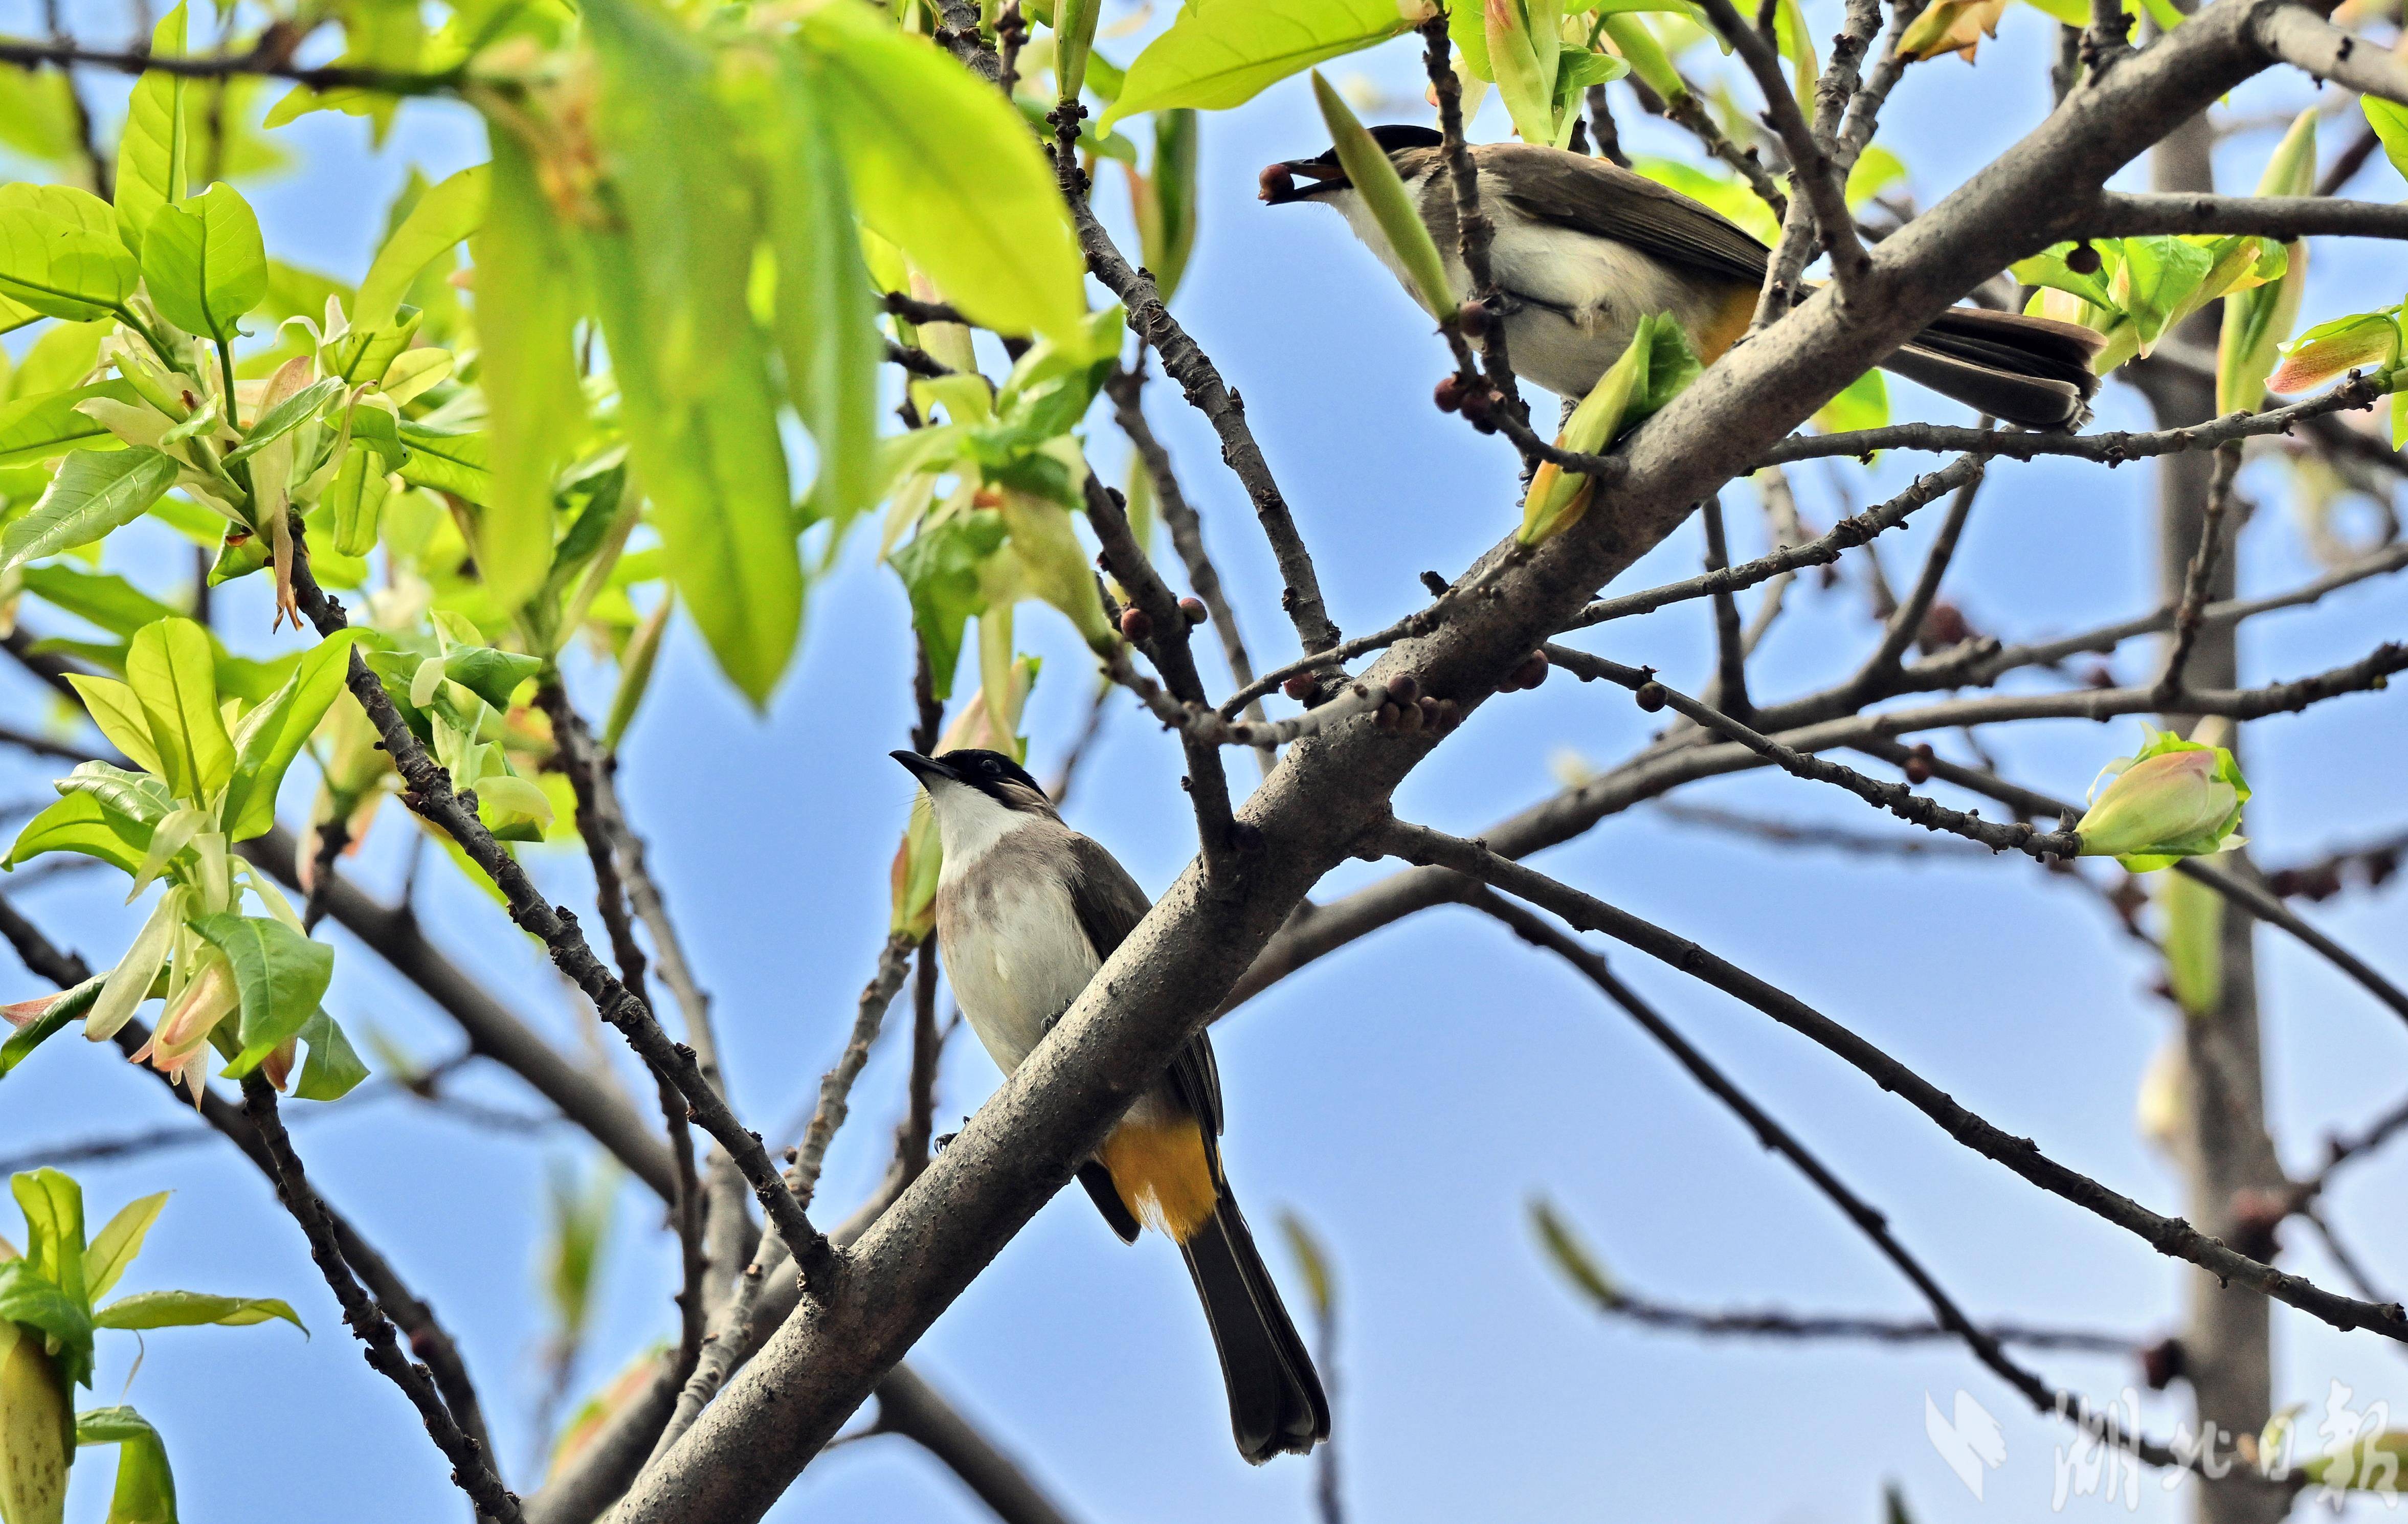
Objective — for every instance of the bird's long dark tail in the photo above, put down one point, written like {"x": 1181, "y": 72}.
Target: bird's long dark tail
{"x": 1276, "y": 1404}
{"x": 2031, "y": 371}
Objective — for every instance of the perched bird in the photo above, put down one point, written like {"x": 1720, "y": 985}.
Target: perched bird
{"x": 1585, "y": 249}
{"x": 1027, "y": 909}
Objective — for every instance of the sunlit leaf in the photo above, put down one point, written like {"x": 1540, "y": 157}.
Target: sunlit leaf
{"x": 172, "y": 669}
{"x": 443, "y": 217}
{"x": 526, "y": 308}
{"x": 117, "y": 1242}
{"x": 204, "y": 262}
{"x": 940, "y": 164}
{"x": 283, "y": 976}
{"x": 1225, "y": 53}
{"x": 154, "y": 148}
{"x": 60, "y": 253}
{"x": 94, "y": 493}
{"x": 192, "y": 1309}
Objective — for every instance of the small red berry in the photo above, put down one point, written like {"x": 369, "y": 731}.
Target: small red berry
{"x": 1650, "y": 696}
{"x": 1275, "y": 182}
{"x": 1193, "y": 608}
{"x": 1137, "y": 626}
{"x": 2082, "y": 259}
{"x": 1918, "y": 764}
{"x": 1449, "y": 394}
{"x": 1404, "y": 687}
{"x": 1300, "y": 687}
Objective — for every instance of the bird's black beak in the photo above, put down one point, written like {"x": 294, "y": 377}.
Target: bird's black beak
{"x": 1277, "y": 181}
{"x": 926, "y": 769}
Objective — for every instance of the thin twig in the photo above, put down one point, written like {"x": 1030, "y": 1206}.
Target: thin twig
{"x": 429, "y": 794}
{"x": 2199, "y": 576}
{"x": 2170, "y": 1236}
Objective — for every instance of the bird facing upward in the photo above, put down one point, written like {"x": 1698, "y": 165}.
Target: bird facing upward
{"x": 1585, "y": 249}
{"x": 1027, "y": 910}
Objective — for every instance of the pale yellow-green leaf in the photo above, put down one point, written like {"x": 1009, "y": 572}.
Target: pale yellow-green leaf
{"x": 1224, "y": 52}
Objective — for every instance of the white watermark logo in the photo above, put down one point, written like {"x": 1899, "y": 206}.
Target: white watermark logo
{"x": 2356, "y": 1453}
{"x": 1970, "y": 1442}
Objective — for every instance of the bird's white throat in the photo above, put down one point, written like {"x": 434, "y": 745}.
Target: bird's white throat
{"x": 970, "y": 823}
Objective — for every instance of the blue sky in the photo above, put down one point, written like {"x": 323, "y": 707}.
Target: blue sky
{"x": 1406, "y": 1098}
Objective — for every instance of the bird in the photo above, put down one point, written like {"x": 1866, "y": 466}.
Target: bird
{"x": 1585, "y": 249}
{"x": 1027, "y": 910}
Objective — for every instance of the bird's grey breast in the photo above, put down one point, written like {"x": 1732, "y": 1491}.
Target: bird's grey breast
{"x": 1010, "y": 940}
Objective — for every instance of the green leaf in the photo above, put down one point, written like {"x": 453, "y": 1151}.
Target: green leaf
{"x": 95, "y": 491}
{"x": 491, "y": 674}
{"x": 28, "y": 1297}
{"x": 2157, "y": 278}
{"x": 2049, "y": 268}
{"x": 1225, "y": 53}
{"x": 38, "y": 427}
{"x": 67, "y": 1009}
{"x": 942, "y": 572}
{"x": 53, "y": 1206}
{"x": 82, "y": 824}
{"x": 146, "y": 1490}
{"x": 192, "y": 1309}
{"x": 172, "y": 668}
{"x": 1165, "y": 200}
{"x": 1572, "y": 1256}
{"x": 825, "y": 317}
{"x": 447, "y": 460}
{"x": 2360, "y": 341}
{"x": 205, "y": 264}
{"x": 103, "y": 598}
{"x": 119, "y": 714}
{"x": 1863, "y": 404}
{"x": 444, "y": 216}
{"x": 526, "y": 311}
{"x": 64, "y": 355}
{"x": 152, "y": 151}
{"x": 332, "y": 1067}
{"x": 940, "y": 166}
{"x": 1390, "y": 205}
{"x": 2389, "y": 120}
{"x": 60, "y": 253}
{"x": 283, "y": 976}
{"x": 142, "y": 800}
{"x": 117, "y": 1242}
{"x": 273, "y": 733}
{"x": 692, "y": 366}
{"x": 284, "y": 417}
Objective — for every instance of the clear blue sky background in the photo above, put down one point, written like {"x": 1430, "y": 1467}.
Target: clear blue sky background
{"x": 1407, "y": 1098}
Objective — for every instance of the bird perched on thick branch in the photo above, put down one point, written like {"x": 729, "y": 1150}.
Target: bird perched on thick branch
{"x": 1027, "y": 910}
{"x": 1585, "y": 249}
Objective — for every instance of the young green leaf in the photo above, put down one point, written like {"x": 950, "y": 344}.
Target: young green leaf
{"x": 692, "y": 366}
{"x": 95, "y": 491}
{"x": 447, "y": 460}
{"x": 1074, "y": 42}
{"x": 941, "y": 573}
{"x": 1164, "y": 199}
{"x": 2389, "y": 120}
{"x": 526, "y": 310}
{"x": 60, "y": 253}
{"x": 2256, "y": 321}
{"x": 82, "y": 824}
{"x": 491, "y": 674}
{"x": 54, "y": 1240}
{"x": 273, "y": 733}
{"x": 1391, "y": 206}
{"x": 204, "y": 262}
{"x": 145, "y": 1493}
{"x": 192, "y": 1309}
{"x": 635, "y": 672}
{"x": 941, "y": 165}
{"x": 444, "y": 216}
{"x": 62, "y": 1009}
{"x": 332, "y": 1067}
{"x": 284, "y": 417}
{"x": 172, "y": 668}
{"x": 283, "y": 976}
{"x": 154, "y": 146}
{"x": 825, "y": 317}
{"x": 2360, "y": 341}
{"x": 44, "y": 424}
{"x": 1224, "y": 54}
{"x": 117, "y": 1242}
{"x": 119, "y": 714}
{"x": 101, "y": 598}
